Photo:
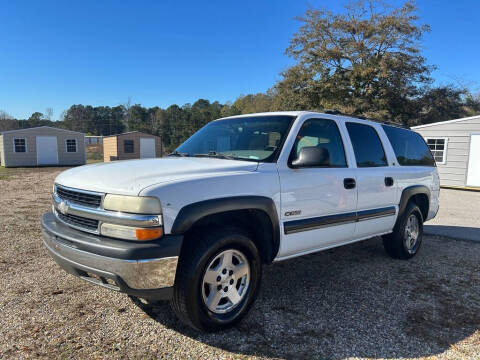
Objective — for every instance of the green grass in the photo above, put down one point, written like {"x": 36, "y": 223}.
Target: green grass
{"x": 5, "y": 173}
{"x": 4, "y": 170}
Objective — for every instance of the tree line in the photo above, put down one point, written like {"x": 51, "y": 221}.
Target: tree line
{"x": 365, "y": 61}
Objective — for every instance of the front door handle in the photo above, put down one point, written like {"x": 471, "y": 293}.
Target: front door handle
{"x": 388, "y": 181}
{"x": 349, "y": 183}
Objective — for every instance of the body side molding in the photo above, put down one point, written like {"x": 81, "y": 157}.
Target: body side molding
{"x": 294, "y": 226}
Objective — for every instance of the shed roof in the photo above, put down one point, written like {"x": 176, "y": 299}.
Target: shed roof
{"x": 130, "y": 132}
{"x": 446, "y": 122}
{"x": 40, "y": 127}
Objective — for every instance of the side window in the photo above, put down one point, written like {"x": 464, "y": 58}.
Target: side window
{"x": 20, "y": 145}
{"x": 128, "y": 146}
{"x": 366, "y": 144}
{"x": 410, "y": 148}
{"x": 438, "y": 147}
{"x": 71, "y": 145}
{"x": 321, "y": 133}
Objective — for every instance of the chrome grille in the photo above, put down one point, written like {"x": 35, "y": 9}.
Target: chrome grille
{"x": 79, "y": 197}
{"x": 78, "y": 221}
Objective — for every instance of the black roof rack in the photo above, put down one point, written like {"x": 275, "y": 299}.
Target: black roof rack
{"x": 362, "y": 117}
{"x": 390, "y": 123}
{"x": 338, "y": 112}
{"x": 332, "y": 112}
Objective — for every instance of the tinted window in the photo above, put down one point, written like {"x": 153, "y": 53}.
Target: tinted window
{"x": 321, "y": 133}
{"x": 128, "y": 146}
{"x": 20, "y": 145}
{"x": 409, "y": 147}
{"x": 367, "y": 146}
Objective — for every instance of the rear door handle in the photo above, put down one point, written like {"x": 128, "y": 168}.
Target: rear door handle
{"x": 349, "y": 183}
{"x": 388, "y": 181}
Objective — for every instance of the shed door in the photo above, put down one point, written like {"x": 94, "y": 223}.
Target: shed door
{"x": 473, "y": 175}
{"x": 47, "y": 152}
{"x": 147, "y": 148}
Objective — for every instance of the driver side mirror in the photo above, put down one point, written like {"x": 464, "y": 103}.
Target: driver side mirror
{"x": 312, "y": 156}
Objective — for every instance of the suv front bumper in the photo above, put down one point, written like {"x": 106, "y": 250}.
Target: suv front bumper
{"x": 143, "y": 269}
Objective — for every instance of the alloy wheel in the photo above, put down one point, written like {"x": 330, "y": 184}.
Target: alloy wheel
{"x": 412, "y": 231}
{"x": 225, "y": 281}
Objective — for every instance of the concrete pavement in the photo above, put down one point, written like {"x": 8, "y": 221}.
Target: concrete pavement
{"x": 458, "y": 217}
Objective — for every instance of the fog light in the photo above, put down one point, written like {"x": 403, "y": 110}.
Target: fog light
{"x": 131, "y": 233}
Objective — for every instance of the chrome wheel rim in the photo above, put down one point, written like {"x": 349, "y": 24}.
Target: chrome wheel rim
{"x": 225, "y": 281}
{"x": 412, "y": 230}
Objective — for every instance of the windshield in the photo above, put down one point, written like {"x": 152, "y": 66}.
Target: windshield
{"x": 256, "y": 138}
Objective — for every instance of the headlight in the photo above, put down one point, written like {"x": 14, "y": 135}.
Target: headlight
{"x": 132, "y": 204}
{"x": 131, "y": 233}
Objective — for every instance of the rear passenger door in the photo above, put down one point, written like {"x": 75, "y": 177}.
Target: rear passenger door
{"x": 375, "y": 181}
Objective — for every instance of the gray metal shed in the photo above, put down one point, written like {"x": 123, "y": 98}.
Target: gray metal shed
{"x": 42, "y": 146}
{"x": 455, "y": 144}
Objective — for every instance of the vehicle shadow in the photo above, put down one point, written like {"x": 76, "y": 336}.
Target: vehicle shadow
{"x": 354, "y": 301}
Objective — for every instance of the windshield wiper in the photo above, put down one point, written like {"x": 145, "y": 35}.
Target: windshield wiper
{"x": 176, "y": 153}
{"x": 214, "y": 154}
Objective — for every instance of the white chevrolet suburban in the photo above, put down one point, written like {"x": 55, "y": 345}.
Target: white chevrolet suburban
{"x": 196, "y": 227}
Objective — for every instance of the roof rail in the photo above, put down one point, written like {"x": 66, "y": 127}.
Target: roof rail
{"x": 362, "y": 117}
{"x": 391, "y": 123}
{"x": 332, "y": 112}
{"x": 338, "y": 112}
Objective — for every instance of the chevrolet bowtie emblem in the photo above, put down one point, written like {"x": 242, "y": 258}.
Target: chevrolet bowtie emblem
{"x": 63, "y": 207}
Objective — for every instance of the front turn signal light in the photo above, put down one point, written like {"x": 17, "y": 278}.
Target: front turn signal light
{"x": 131, "y": 233}
{"x": 149, "y": 233}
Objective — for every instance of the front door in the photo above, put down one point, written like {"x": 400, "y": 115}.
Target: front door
{"x": 147, "y": 148}
{"x": 47, "y": 151}
{"x": 318, "y": 204}
{"x": 473, "y": 175}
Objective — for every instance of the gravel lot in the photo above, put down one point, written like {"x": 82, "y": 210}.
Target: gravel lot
{"x": 350, "y": 302}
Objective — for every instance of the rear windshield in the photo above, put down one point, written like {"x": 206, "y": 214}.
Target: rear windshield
{"x": 409, "y": 147}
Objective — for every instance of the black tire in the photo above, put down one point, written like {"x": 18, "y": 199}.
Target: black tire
{"x": 188, "y": 301}
{"x": 397, "y": 243}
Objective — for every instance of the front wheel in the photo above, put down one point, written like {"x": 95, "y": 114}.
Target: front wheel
{"x": 405, "y": 240}
{"x": 217, "y": 279}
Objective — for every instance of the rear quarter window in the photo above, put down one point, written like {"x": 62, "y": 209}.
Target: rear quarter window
{"x": 409, "y": 147}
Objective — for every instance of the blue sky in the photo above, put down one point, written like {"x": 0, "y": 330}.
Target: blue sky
{"x": 101, "y": 52}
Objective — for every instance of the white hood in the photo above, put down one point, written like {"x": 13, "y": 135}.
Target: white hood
{"x": 129, "y": 177}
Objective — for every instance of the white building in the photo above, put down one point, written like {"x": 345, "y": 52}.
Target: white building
{"x": 455, "y": 144}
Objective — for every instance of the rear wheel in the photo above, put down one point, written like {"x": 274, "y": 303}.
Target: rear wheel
{"x": 217, "y": 279}
{"x": 405, "y": 240}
